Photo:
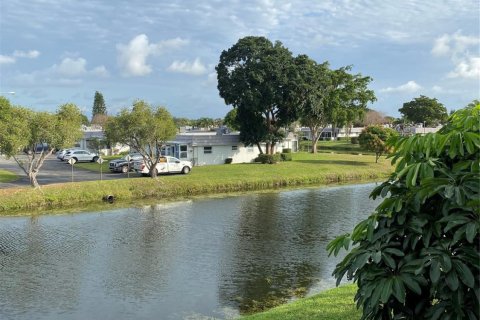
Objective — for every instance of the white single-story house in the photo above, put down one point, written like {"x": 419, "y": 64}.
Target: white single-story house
{"x": 416, "y": 129}
{"x": 205, "y": 148}
{"x": 327, "y": 132}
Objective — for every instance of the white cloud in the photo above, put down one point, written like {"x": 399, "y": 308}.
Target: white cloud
{"x": 132, "y": 57}
{"x": 71, "y": 67}
{"x": 193, "y": 68}
{"x": 18, "y": 54}
{"x": 32, "y": 54}
{"x": 457, "y": 47}
{"x": 409, "y": 87}
{"x": 100, "y": 72}
{"x": 6, "y": 59}
{"x": 468, "y": 69}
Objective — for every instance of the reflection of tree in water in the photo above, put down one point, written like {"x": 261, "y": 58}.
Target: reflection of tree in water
{"x": 264, "y": 262}
{"x": 278, "y": 249}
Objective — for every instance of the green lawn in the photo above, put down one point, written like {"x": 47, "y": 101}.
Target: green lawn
{"x": 7, "y": 176}
{"x": 335, "y": 304}
{"x": 339, "y": 146}
{"x": 305, "y": 170}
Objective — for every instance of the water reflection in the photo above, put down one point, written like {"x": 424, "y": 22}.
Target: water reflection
{"x": 279, "y": 245}
{"x": 203, "y": 258}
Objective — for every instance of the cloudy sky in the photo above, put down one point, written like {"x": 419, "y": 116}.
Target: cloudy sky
{"x": 165, "y": 52}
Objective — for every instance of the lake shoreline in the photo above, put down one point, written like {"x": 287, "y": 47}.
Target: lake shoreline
{"x": 307, "y": 171}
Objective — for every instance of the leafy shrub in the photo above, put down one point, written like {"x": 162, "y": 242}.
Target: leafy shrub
{"x": 268, "y": 158}
{"x": 286, "y": 150}
{"x": 228, "y": 160}
{"x": 286, "y": 156}
{"x": 354, "y": 140}
{"x": 374, "y": 138}
{"x": 417, "y": 256}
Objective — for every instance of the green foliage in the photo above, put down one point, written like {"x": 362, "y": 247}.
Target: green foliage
{"x": 144, "y": 128}
{"x": 417, "y": 256}
{"x": 354, "y": 140}
{"x": 374, "y": 138}
{"x": 348, "y": 100}
{"x": 99, "y": 106}
{"x": 255, "y": 77}
{"x": 22, "y": 129}
{"x": 424, "y": 110}
{"x": 286, "y": 150}
{"x": 268, "y": 158}
{"x": 286, "y": 156}
{"x": 231, "y": 121}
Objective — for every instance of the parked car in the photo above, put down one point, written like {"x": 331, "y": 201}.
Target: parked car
{"x": 122, "y": 165}
{"x": 62, "y": 152}
{"x": 165, "y": 165}
{"x": 80, "y": 155}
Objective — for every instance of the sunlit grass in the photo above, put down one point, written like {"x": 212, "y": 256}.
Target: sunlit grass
{"x": 306, "y": 169}
{"x": 7, "y": 176}
{"x": 335, "y": 304}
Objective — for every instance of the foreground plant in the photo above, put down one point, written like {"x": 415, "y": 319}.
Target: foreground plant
{"x": 417, "y": 256}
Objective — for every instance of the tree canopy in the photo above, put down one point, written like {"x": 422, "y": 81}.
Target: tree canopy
{"x": 255, "y": 76}
{"x": 418, "y": 255}
{"x": 143, "y": 128}
{"x": 375, "y": 138}
{"x": 424, "y": 110}
{"x": 23, "y": 130}
{"x": 99, "y": 109}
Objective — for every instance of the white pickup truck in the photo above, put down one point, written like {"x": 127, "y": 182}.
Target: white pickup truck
{"x": 165, "y": 165}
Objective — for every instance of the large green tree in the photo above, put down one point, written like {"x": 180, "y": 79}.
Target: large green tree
{"x": 313, "y": 88}
{"x": 143, "y": 128}
{"x": 349, "y": 98}
{"x": 253, "y": 76}
{"x": 23, "y": 130}
{"x": 424, "y": 110}
{"x": 418, "y": 255}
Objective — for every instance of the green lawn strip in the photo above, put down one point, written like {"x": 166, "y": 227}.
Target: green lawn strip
{"x": 334, "y": 304}
{"x": 340, "y": 146}
{"x": 7, "y": 176}
{"x": 306, "y": 169}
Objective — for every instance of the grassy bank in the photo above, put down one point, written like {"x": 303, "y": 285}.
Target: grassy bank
{"x": 306, "y": 169}
{"x": 335, "y": 304}
{"x": 7, "y": 176}
{"x": 338, "y": 146}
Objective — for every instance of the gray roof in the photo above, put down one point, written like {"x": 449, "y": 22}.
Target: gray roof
{"x": 207, "y": 140}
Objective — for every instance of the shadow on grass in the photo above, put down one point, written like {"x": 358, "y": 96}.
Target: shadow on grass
{"x": 338, "y": 162}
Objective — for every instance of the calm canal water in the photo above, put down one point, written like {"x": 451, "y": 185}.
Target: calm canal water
{"x": 200, "y": 259}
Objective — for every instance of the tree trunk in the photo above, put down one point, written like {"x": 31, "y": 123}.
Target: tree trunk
{"x": 32, "y": 176}
{"x": 272, "y": 148}
{"x": 259, "y": 148}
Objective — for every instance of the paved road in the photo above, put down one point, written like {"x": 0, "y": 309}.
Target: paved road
{"x": 55, "y": 171}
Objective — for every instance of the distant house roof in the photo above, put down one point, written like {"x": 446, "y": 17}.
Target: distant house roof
{"x": 207, "y": 139}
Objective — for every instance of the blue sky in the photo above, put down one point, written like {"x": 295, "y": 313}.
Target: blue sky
{"x": 165, "y": 52}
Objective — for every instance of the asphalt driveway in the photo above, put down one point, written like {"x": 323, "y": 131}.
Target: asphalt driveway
{"x": 55, "y": 171}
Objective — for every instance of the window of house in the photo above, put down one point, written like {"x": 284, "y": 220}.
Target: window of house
{"x": 234, "y": 148}
{"x": 183, "y": 151}
{"x": 207, "y": 150}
